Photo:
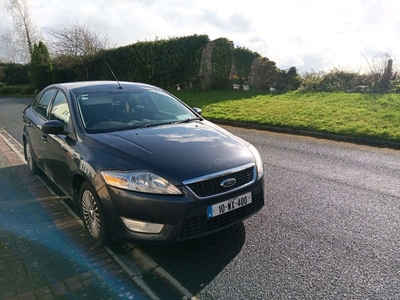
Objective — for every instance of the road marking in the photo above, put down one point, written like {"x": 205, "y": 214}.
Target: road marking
{"x": 11, "y": 142}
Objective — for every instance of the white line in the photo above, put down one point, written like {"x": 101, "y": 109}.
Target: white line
{"x": 10, "y": 136}
{"x": 163, "y": 273}
{"x": 9, "y": 144}
{"x": 139, "y": 281}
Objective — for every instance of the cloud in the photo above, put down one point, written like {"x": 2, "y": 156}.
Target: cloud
{"x": 308, "y": 34}
{"x": 234, "y": 23}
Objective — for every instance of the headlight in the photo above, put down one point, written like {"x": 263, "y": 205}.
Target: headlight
{"x": 259, "y": 162}
{"x": 139, "y": 181}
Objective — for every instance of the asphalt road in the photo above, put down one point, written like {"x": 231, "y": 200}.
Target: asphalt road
{"x": 329, "y": 229}
{"x": 11, "y": 115}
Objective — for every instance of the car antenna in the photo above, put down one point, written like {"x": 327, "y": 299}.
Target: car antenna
{"x": 120, "y": 86}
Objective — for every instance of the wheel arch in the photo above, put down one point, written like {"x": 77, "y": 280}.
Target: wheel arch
{"x": 76, "y": 184}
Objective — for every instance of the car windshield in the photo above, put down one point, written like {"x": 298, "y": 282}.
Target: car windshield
{"x": 107, "y": 111}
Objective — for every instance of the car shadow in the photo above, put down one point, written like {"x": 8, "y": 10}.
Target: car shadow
{"x": 196, "y": 263}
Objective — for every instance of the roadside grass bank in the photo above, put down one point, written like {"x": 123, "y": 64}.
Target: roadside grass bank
{"x": 367, "y": 116}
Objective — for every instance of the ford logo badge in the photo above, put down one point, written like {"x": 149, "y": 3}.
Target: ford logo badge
{"x": 228, "y": 182}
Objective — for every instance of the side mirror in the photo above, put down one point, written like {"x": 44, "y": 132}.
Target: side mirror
{"x": 53, "y": 127}
{"x": 198, "y": 110}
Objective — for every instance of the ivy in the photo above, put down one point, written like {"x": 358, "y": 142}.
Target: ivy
{"x": 164, "y": 63}
{"x": 168, "y": 62}
{"x": 243, "y": 58}
{"x": 221, "y": 63}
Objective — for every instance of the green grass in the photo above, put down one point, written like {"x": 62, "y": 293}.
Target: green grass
{"x": 375, "y": 116}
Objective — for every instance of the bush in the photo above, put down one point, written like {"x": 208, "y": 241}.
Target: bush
{"x": 16, "y": 89}
{"x": 242, "y": 59}
{"x": 28, "y": 90}
{"x": 163, "y": 63}
{"x": 333, "y": 81}
{"x": 288, "y": 80}
{"x": 10, "y": 90}
{"x": 13, "y": 74}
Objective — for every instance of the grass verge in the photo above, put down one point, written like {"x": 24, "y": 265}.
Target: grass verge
{"x": 373, "y": 116}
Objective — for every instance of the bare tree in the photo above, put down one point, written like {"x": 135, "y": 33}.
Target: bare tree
{"x": 24, "y": 34}
{"x": 12, "y": 52}
{"x": 381, "y": 70}
{"x": 76, "y": 47}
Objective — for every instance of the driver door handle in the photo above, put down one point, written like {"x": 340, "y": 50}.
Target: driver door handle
{"x": 44, "y": 138}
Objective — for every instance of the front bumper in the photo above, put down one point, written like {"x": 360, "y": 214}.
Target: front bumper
{"x": 185, "y": 216}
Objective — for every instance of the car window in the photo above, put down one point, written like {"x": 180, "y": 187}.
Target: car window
{"x": 41, "y": 104}
{"x": 170, "y": 105}
{"x": 60, "y": 110}
{"x": 103, "y": 111}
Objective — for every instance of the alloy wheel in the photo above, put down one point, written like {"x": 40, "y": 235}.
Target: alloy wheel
{"x": 91, "y": 215}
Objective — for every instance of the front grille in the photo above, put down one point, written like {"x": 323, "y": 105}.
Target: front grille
{"x": 213, "y": 186}
{"x": 201, "y": 225}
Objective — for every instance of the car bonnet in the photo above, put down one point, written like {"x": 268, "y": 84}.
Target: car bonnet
{"x": 178, "y": 152}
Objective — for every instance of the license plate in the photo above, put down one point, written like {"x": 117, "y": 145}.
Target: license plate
{"x": 228, "y": 205}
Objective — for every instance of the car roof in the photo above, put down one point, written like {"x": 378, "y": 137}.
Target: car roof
{"x": 101, "y": 84}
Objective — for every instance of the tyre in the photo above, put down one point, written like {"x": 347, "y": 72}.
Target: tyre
{"x": 30, "y": 160}
{"x": 93, "y": 215}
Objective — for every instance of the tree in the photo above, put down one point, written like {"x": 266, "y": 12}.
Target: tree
{"x": 76, "y": 47}
{"x": 13, "y": 53}
{"x": 24, "y": 34}
{"x": 381, "y": 71}
{"x": 41, "y": 68}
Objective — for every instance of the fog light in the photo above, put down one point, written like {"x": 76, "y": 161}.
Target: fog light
{"x": 144, "y": 227}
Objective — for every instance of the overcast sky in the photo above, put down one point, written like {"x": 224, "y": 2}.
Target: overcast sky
{"x": 307, "y": 34}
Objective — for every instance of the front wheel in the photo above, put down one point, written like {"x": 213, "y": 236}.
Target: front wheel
{"x": 93, "y": 215}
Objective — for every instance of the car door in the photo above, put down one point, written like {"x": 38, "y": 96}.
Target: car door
{"x": 60, "y": 147}
{"x": 34, "y": 120}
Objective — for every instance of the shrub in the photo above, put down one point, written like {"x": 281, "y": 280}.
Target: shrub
{"x": 15, "y": 73}
{"x": 161, "y": 62}
{"x": 288, "y": 80}
{"x": 10, "y": 90}
{"x": 333, "y": 81}
{"x": 28, "y": 90}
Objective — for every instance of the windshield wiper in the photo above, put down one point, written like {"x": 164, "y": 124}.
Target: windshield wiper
{"x": 169, "y": 122}
{"x": 187, "y": 120}
{"x": 151, "y": 125}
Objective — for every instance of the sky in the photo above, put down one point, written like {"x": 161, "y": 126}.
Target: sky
{"x": 317, "y": 35}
